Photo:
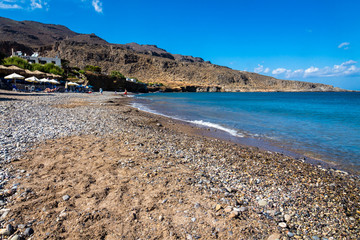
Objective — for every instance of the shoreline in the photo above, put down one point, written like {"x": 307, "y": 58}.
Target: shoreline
{"x": 261, "y": 144}
{"x": 104, "y": 170}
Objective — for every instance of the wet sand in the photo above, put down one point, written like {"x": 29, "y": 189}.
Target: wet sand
{"x": 135, "y": 175}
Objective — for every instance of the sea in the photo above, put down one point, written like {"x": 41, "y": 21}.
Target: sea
{"x": 316, "y": 125}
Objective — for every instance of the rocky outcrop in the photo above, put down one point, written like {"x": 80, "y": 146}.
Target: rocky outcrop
{"x": 109, "y": 83}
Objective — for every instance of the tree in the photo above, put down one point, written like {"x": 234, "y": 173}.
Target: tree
{"x": 117, "y": 74}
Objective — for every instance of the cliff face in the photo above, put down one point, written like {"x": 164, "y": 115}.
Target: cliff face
{"x": 148, "y": 63}
{"x": 175, "y": 73}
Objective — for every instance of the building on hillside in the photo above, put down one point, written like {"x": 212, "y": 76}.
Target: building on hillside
{"x": 35, "y": 58}
{"x": 134, "y": 80}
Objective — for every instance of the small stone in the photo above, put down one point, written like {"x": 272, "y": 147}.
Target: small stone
{"x": 21, "y": 226}
{"x": 290, "y": 234}
{"x": 274, "y": 236}
{"x": 66, "y": 197}
{"x": 132, "y": 216}
{"x": 315, "y": 238}
{"x": 287, "y": 217}
{"x": 164, "y": 201}
{"x": 161, "y": 218}
{"x": 282, "y": 224}
{"x": 197, "y": 205}
{"x": 240, "y": 209}
{"x": 10, "y": 228}
{"x": 4, "y": 232}
{"x": 262, "y": 203}
{"x": 4, "y": 213}
{"x": 228, "y": 209}
{"x": 28, "y": 231}
{"x": 15, "y": 237}
{"x": 218, "y": 207}
{"x": 62, "y": 214}
{"x": 193, "y": 219}
{"x": 233, "y": 214}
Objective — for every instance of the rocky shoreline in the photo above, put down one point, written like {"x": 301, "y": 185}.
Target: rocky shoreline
{"x": 88, "y": 166}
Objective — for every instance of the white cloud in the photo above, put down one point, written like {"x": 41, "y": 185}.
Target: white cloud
{"x": 9, "y": 5}
{"x": 311, "y": 71}
{"x": 347, "y": 68}
{"x": 259, "y": 68}
{"x": 279, "y": 71}
{"x": 24, "y": 4}
{"x": 97, "y": 6}
{"x": 344, "y": 45}
{"x": 36, "y": 4}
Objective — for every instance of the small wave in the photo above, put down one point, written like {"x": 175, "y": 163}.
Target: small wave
{"x": 217, "y": 126}
{"x": 197, "y": 122}
{"x": 142, "y": 107}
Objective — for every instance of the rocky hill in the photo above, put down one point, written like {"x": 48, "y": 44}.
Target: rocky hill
{"x": 148, "y": 63}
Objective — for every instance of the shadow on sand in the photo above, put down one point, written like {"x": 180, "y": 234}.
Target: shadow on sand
{"x": 21, "y": 94}
{"x": 7, "y": 99}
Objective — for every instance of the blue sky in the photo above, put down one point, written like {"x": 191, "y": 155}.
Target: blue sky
{"x": 315, "y": 41}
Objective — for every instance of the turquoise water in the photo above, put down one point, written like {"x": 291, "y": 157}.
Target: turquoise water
{"x": 321, "y": 125}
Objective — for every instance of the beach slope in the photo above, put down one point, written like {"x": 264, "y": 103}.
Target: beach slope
{"x": 88, "y": 166}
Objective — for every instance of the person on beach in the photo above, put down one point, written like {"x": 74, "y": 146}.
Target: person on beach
{"x": 125, "y": 93}
{"x": 101, "y": 91}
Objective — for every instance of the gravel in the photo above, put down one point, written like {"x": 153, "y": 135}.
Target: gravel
{"x": 262, "y": 186}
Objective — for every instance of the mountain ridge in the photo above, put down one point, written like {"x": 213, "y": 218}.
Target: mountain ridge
{"x": 147, "y": 63}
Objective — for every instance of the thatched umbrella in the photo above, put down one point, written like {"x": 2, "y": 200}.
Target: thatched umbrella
{"x": 35, "y": 73}
{"x": 51, "y": 75}
{"x": 16, "y": 69}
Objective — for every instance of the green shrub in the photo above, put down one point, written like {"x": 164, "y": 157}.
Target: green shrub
{"x": 95, "y": 69}
{"x": 48, "y": 68}
{"x": 117, "y": 74}
{"x": 17, "y": 61}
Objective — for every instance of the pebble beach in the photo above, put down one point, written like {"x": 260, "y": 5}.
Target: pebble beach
{"x": 89, "y": 166}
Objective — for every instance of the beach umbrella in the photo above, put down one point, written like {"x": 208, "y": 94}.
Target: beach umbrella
{"x": 53, "y": 81}
{"x": 44, "y": 80}
{"x": 32, "y": 79}
{"x": 14, "y": 76}
{"x": 72, "y": 84}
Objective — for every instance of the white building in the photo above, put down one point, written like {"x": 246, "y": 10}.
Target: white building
{"x": 35, "y": 58}
{"x": 131, "y": 80}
